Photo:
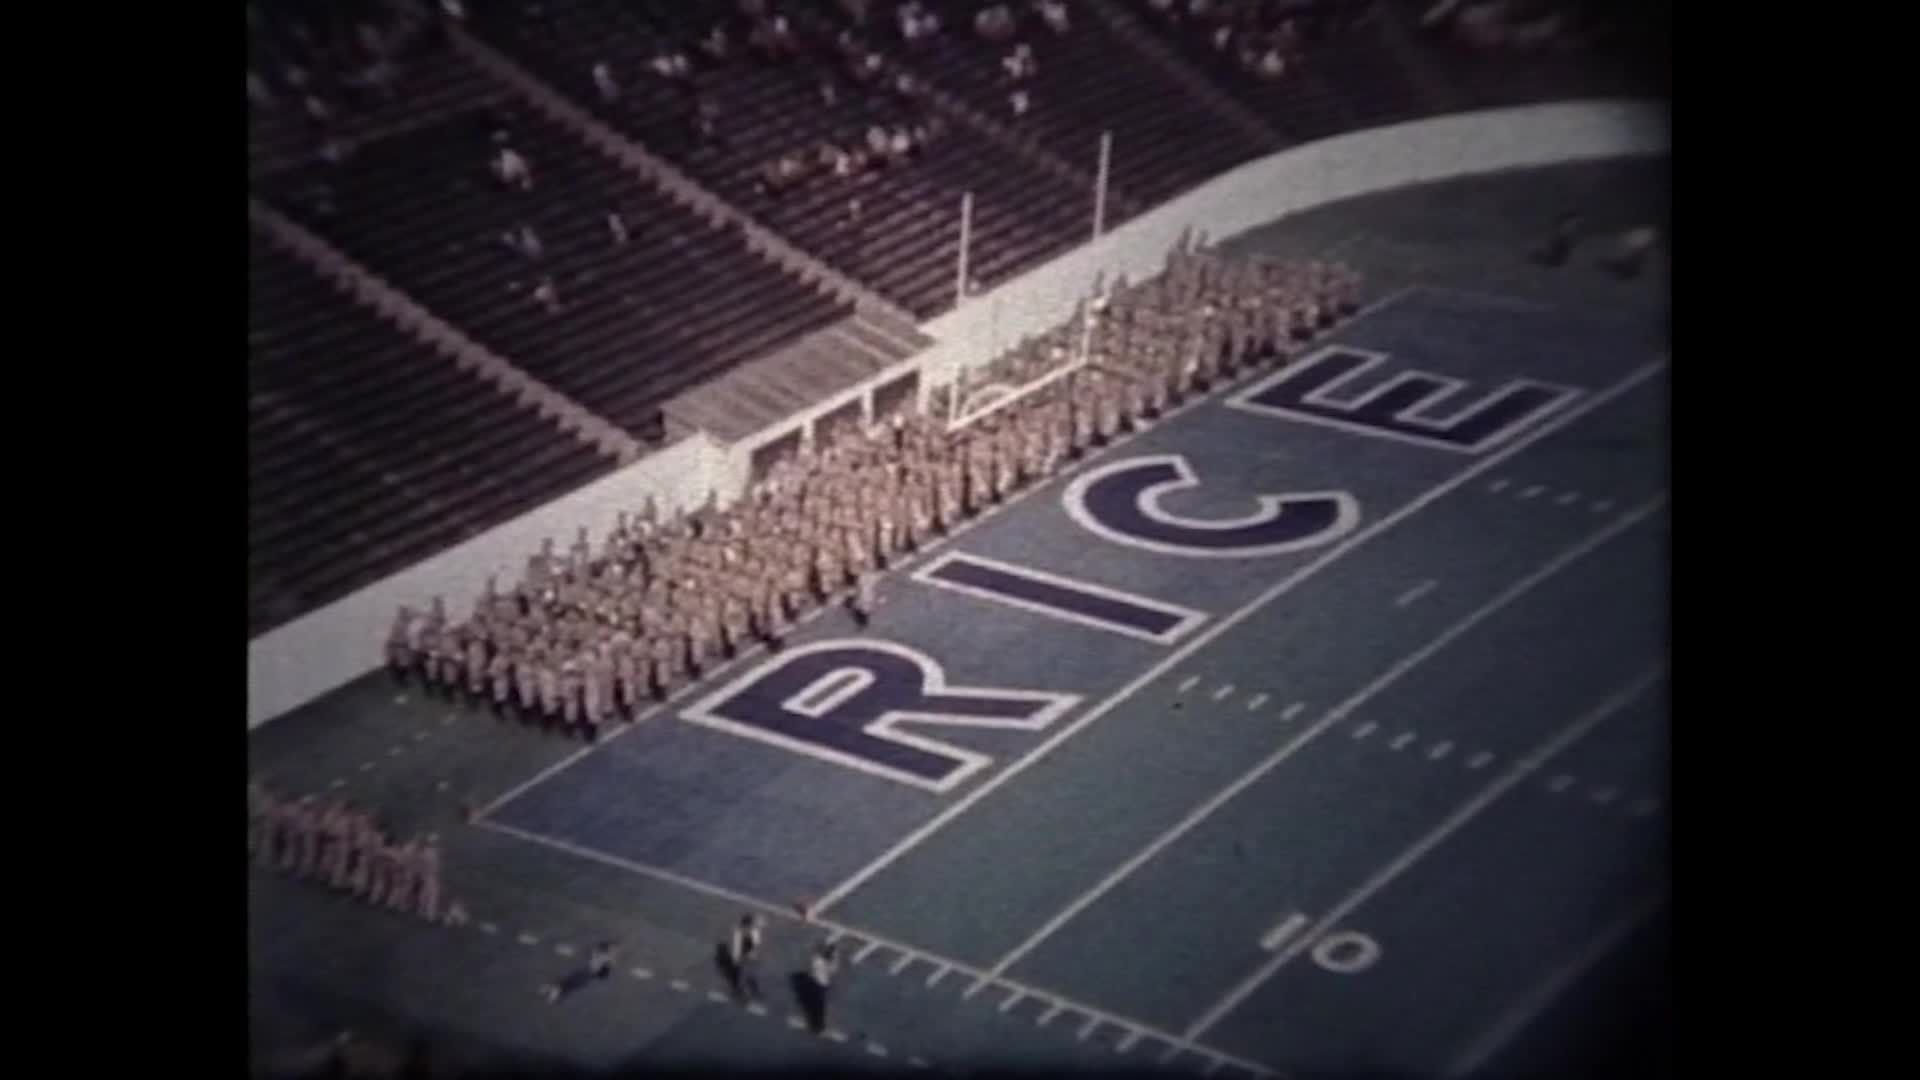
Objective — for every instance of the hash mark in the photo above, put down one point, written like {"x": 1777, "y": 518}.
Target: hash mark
{"x": 1603, "y": 506}
{"x": 681, "y": 985}
{"x": 900, "y": 964}
{"x": 1012, "y": 1000}
{"x": 1092, "y": 1022}
{"x": 1293, "y": 710}
{"x": 1479, "y": 760}
{"x": 1223, "y": 693}
{"x": 1047, "y": 1017}
{"x": 1498, "y": 486}
{"x": 489, "y": 928}
{"x": 836, "y": 1035}
{"x": 975, "y": 988}
{"x": 1440, "y": 750}
{"x": 1126, "y": 1044}
{"x": 862, "y": 954}
{"x": 1604, "y": 796}
{"x": 1187, "y": 684}
{"x": 938, "y": 975}
{"x": 641, "y": 973}
{"x": 1568, "y": 499}
{"x": 563, "y": 949}
{"x": 756, "y": 1008}
{"x": 1532, "y": 491}
{"x": 1256, "y": 701}
{"x": 1560, "y": 783}
{"x": 1401, "y": 740}
{"x": 1365, "y": 730}
{"x": 1643, "y": 807}
{"x": 715, "y": 995}
{"x": 528, "y": 939}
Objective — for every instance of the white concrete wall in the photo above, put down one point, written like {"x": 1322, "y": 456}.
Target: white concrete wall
{"x": 304, "y": 659}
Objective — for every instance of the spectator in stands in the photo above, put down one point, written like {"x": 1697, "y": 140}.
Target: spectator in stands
{"x": 603, "y": 82}
{"x": 617, "y": 225}
{"x": 1271, "y": 64}
{"x": 1054, "y": 13}
{"x": 1020, "y": 64}
{"x": 995, "y": 23}
{"x": 547, "y": 296}
{"x": 512, "y": 169}
{"x": 1018, "y": 102}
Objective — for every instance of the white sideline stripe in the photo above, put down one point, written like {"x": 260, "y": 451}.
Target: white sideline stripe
{"x": 1256, "y": 701}
{"x": 1515, "y": 774}
{"x": 1523, "y": 1012}
{"x": 1415, "y": 593}
{"x": 1333, "y": 716}
{"x": 900, "y": 964}
{"x": 1223, "y": 693}
{"x": 1200, "y": 640}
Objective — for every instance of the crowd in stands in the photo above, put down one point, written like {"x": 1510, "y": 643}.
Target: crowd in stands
{"x": 597, "y": 635}
{"x": 1263, "y": 38}
{"x": 344, "y": 848}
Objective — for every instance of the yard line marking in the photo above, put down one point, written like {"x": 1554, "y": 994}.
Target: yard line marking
{"x": 1498, "y": 486}
{"x": 1479, "y": 760}
{"x": 1047, "y": 1017}
{"x": 1604, "y": 795}
{"x": 1415, "y": 593}
{"x": 1516, "y": 773}
{"x": 1560, "y": 783}
{"x": 1282, "y": 931}
{"x": 1401, "y": 740}
{"x": 1440, "y": 750}
{"x": 1087, "y": 1029}
{"x": 1333, "y": 716}
{"x": 514, "y": 792}
{"x": 1293, "y": 710}
{"x": 900, "y": 964}
{"x": 1012, "y": 1000}
{"x": 1365, "y": 730}
{"x": 1533, "y": 491}
{"x": 938, "y": 975}
{"x": 1223, "y": 693}
{"x": 1568, "y": 499}
{"x": 640, "y": 973}
{"x": 1126, "y": 1044}
{"x": 1524, "y": 1011}
{"x": 1561, "y": 419}
{"x": 1186, "y": 684}
{"x": 868, "y": 948}
{"x": 1256, "y": 701}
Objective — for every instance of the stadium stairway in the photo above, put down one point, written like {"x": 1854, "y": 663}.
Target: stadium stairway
{"x": 670, "y": 181}
{"x": 445, "y": 340}
{"x": 1156, "y": 52}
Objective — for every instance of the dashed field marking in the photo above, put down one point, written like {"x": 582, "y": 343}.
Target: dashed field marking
{"x": 527, "y": 939}
{"x": 756, "y": 1008}
{"x": 918, "y": 1063}
{"x": 419, "y": 736}
{"x": 1223, "y": 693}
{"x": 1604, "y": 795}
{"x": 1480, "y": 760}
{"x": 1533, "y": 491}
{"x": 1440, "y": 750}
{"x": 1168, "y": 1054}
{"x": 715, "y": 995}
{"x": 1401, "y": 740}
{"x": 975, "y": 988}
{"x": 836, "y": 936}
{"x": 1407, "y": 598}
{"x": 1560, "y": 783}
{"x": 680, "y": 985}
{"x": 1047, "y": 1017}
{"x": 1212, "y": 1067}
{"x": 489, "y": 928}
{"x": 1012, "y": 999}
{"x": 446, "y": 721}
{"x": 441, "y": 786}
{"x": 640, "y": 973}
{"x": 1187, "y": 684}
{"x": 1293, "y": 710}
{"x": 396, "y": 751}
{"x": 1256, "y": 701}
{"x": 1498, "y": 486}
{"x": 1603, "y": 506}
{"x": 1126, "y": 1044}
{"x": 900, "y": 964}
{"x": 1567, "y": 499}
{"x": 1365, "y": 730}
{"x": 836, "y": 1035}
{"x": 1643, "y": 807}
{"x": 1087, "y": 1029}
{"x": 938, "y": 975}
{"x": 338, "y": 783}
{"x": 563, "y": 950}
{"x": 366, "y": 766}
{"x": 865, "y": 951}
{"x": 796, "y": 1023}
{"x": 876, "y": 1050}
